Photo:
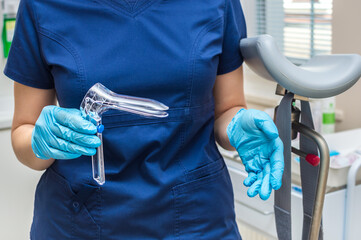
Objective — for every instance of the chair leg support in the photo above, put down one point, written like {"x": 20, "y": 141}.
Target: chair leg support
{"x": 322, "y": 176}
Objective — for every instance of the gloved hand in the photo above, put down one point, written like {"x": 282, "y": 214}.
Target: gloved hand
{"x": 256, "y": 139}
{"x": 63, "y": 133}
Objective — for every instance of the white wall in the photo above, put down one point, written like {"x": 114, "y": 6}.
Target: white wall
{"x": 18, "y": 182}
{"x": 347, "y": 39}
{"x": 17, "y": 195}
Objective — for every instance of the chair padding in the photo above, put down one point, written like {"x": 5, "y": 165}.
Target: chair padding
{"x": 321, "y": 77}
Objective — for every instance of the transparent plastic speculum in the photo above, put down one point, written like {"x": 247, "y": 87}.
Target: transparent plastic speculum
{"x": 98, "y": 100}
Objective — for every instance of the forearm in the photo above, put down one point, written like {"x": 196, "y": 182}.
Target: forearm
{"x": 221, "y": 124}
{"x": 229, "y": 99}
{"x": 21, "y": 142}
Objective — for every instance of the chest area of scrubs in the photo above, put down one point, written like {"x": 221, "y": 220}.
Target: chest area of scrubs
{"x": 167, "y": 50}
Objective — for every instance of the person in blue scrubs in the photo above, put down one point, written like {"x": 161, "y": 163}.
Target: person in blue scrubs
{"x": 165, "y": 177}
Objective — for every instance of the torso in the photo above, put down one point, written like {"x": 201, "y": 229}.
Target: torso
{"x": 160, "y": 173}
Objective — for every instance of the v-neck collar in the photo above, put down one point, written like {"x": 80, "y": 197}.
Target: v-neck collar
{"x": 129, "y": 7}
{"x": 132, "y": 4}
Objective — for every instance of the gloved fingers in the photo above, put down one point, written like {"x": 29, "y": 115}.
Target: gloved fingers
{"x": 85, "y": 140}
{"x": 254, "y": 189}
{"x": 49, "y": 152}
{"x": 277, "y": 164}
{"x": 255, "y": 162}
{"x": 252, "y": 177}
{"x": 265, "y": 124}
{"x": 58, "y": 154}
{"x": 70, "y": 147}
{"x": 266, "y": 189}
{"x": 72, "y": 119}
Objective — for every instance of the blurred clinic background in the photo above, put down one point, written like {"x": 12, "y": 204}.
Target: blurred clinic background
{"x": 302, "y": 28}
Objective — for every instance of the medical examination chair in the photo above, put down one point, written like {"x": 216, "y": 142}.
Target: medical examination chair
{"x": 321, "y": 77}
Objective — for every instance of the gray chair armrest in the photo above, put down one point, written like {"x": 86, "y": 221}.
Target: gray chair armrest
{"x": 321, "y": 77}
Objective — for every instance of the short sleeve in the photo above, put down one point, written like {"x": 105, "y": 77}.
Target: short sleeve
{"x": 25, "y": 63}
{"x": 234, "y": 30}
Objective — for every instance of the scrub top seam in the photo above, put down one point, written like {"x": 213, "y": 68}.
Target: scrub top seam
{"x": 191, "y": 66}
{"x": 114, "y": 8}
{"x": 18, "y": 77}
{"x": 37, "y": 27}
{"x": 192, "y": 61}
{"x": 142, "y": 7}
{"x": 193, "y": 55}
{"x": 67, "y": 45}
{"x": 177, "y": 157}
{"x": 225, "y": 20}
{"x": 119, "y": 9}
{"x": 136, "y": 4}
{"x": 131, "y": 6}
{"x": 224, "y": 27}
{"x": 233, "y": 65}
{"x": 192, "y": 185}
{"x": 127, "y": 2}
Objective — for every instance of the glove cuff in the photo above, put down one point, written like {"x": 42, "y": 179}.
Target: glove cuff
{"x": 34, "y": 148}
{"x": 231, "y": 126}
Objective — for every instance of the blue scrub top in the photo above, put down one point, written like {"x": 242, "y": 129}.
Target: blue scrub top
{"x": 165, "y": 178}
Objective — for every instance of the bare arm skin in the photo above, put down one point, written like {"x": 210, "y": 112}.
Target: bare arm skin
{"x": 29, "y": 103}
{"x": 229, "y": 99}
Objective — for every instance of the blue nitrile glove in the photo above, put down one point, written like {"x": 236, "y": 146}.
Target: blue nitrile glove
{"x": 62, "y": 133}
{"x": 256, "y": 139}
